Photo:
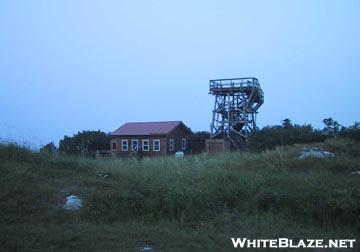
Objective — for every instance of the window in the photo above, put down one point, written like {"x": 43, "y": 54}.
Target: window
{"x": 156, "y": 145}
{"x": 124, "y": 145}
{"x": 171, "y": 144}
{"x": 183, "y": 144}
{"x": 114, "y": 146}
{"x": 145, "y": 145}
{"x": 134, "y": 144}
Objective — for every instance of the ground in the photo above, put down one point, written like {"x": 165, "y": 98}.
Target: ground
{"x": 196, "y": 203}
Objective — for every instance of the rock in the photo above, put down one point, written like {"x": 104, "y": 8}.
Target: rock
{"x": 104, "y": 175}
{"x": 179, "y": 154}
{"x": 73, "y": 203}
{"x": 148, "y": 248}
{"x": 314, "y": 152}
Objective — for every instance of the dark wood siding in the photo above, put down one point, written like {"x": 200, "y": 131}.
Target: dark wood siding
{"x": 118, "y": 151}
{"x": 177, "y": 134}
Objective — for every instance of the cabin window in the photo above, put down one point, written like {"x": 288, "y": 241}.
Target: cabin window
{"x": 114, "y": 146}
{"x": 171, "y": 144}
{"x": 124, "y": 145}
{"x": 145, "y": 145}
{"x": 183, "y": 144}
{"x": 134, "y": 145}
{"x": 156, "y": 145}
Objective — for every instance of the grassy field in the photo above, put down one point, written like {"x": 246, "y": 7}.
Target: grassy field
{"x": 191, "y": 204}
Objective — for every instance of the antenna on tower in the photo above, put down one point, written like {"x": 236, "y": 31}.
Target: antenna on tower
{"x": 236, "y": 103}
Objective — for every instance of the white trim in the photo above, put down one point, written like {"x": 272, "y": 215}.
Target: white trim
{"x": 123, "y": 145}
{"x": 183, "y": 144}
{"x": 148, "y": 144}
{"x": 171, "y": 144}
{"x": 156, "y": 141}
{"x": 132, "y": 144}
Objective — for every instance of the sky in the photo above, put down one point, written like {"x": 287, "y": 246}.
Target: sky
{"x": 72, "y": 65}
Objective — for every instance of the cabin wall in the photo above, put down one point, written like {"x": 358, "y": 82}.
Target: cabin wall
{"x": 117, "y": 152}
{"x": 177, "y": 134}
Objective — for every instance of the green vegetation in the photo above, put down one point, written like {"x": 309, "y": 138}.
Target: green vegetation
{"x": 288, "y": 133}
{"x": 197, "y": 141}
{"x": 84, "y": 143}
{"x": 271, "y": 136}
{"x": 191, "y": 204}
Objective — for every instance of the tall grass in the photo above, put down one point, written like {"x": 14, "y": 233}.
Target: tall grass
{"x": 211, "y": 197}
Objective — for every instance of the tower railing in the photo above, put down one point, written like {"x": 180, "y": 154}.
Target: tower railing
{"x": 234, "y": 83}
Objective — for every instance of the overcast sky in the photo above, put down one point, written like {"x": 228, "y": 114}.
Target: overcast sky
{"x": 67, "y": 66}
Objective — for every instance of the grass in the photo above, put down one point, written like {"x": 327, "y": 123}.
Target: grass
{"x": 191, "y": 204}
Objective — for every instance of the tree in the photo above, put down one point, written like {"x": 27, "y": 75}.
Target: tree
{"x": 352, "y": 132}
{"x": 197, "y": 141}
{"x": 85, "y": 143}
{"x": 49, "y": 148}
{"x": 356, "y": 126}
{"x": 286, "y": 134}
{"x": 286, "y": 123}
{"x": 331, "y": 126}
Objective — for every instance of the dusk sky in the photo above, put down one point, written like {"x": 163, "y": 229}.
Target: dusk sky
{"x": 67, "y": 66}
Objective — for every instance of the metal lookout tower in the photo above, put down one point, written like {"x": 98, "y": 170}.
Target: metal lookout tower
{"x": 236, "y": 104}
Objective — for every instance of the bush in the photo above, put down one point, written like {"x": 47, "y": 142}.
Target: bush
{"x": 271, "y": 136}
{"x": 197, "y": 141}
{"x": 85, "y": 143}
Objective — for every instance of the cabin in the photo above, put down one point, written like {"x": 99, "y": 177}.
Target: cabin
{"x": 150, "y": 138}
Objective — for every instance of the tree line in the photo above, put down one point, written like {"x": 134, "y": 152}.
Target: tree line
{"x": 86, "y": 143}
{"x": 288, "y": 133}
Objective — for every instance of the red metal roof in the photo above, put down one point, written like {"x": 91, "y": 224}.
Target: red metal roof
{"x": 147, "y": 128}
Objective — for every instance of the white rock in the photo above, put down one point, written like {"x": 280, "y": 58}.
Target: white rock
{"x": 179, "y": 154}
{"x": 148, "y": 248}
{"x": 315, "y": 153}
{"x": 73, "y": 203}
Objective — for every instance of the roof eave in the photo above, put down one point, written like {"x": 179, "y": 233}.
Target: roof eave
{"x": 152, "y": 134}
